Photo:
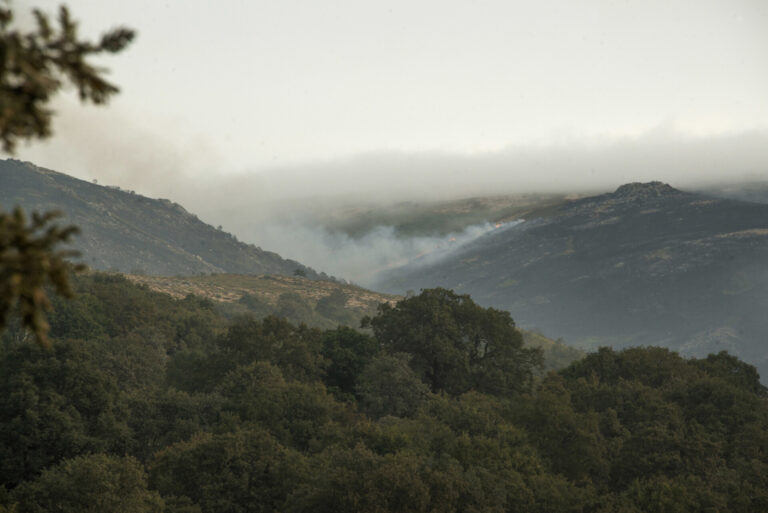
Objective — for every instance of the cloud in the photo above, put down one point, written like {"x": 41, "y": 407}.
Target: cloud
{"x": 286, "y": 220}
{"x": 577, "y": 164}
{"x": 277, "y": 208}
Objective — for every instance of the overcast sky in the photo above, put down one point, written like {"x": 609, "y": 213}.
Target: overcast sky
{"x": 264, "y": 90}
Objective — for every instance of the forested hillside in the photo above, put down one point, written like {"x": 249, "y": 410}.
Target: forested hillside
{"x": 147, "y": 403}
{"x": 316, "y": 303}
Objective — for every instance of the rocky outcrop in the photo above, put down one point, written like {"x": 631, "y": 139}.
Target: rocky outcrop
{"x": 643, "y": 191}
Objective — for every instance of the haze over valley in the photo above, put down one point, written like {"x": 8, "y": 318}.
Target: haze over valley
{"x": 384, "y": 257}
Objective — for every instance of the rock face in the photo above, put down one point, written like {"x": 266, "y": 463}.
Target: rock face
{"x": 643, "y": 191}
{"x": 124, "y": 231}
{"x": 646, "y": 264}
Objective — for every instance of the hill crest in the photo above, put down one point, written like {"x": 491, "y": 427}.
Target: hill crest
{"x": 125, "y": 231}
{"x": 645, "y": 265}
{"x": 645, "y": 190}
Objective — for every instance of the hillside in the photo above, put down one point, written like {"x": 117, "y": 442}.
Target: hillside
{"x": 428, "y": 218}
{"x": 121, "y": 230}
{"x": 646, "y": 264}
{"x": 317, "y": 303}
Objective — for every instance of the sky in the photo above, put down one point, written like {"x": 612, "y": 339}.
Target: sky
{"x": 249, "y": 102}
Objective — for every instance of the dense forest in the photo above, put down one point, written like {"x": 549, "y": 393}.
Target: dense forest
{"x": 144, "y": 403}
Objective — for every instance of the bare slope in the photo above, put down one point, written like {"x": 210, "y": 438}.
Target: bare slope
{"x": 129, "y": 232}
{"x": 230, "y": 288}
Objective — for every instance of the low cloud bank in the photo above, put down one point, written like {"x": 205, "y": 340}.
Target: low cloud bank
{"x": 275, "y": 207}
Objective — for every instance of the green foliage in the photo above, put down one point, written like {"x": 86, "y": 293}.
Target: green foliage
{"x": 244, "y": 471}
{"x": 296, "y": 350}
{"x": 29, "y": 259}
{"x": 355, "y": 480}
{"x": 334, "y": 306}
{"x": 329, "y": 311}
{"x": 161, "y": 417}
{"x": 35, "y": 65}
{"x": 663, "y": 427}
{"x": 274, "y": 417}
{"x": 293, "y": 412}
{"x": 90, "y": 484}
{"x": 55, "y": 404}
{"x": 388, "y": 386}
{"x": 457, "y": 345}
{"x": 734, "y": 371}
{"x": 347, "y": 352}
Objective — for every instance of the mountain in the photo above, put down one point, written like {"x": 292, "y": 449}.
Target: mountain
{"x": 121, "y": 230}
{"x": 645, "y": 265}
{"x": 421, "y": 219}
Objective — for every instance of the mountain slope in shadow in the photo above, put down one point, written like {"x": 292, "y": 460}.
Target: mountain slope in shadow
{"x": 645, "y": 265}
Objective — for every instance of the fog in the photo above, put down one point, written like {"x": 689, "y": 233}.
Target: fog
{"x": 191, "y": 171}
{"x": 571, "y": 164}
{"x": 285, "y": 209}
{"x": 261, "y": 116}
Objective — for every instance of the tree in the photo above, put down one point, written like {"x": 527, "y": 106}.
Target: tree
{"x": 456, "y": 344}
{"x": 28, "y": 260}
{"x": 244, "y": 471}
{"x": 90, "y": 484}
{"x": 55, "y": 404}
{"x": 34, "y": 66}
{"x": 348, "y": 352}
{"x": 388, "y": 386}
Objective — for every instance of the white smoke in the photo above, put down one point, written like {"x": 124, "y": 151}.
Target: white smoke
{"x": 359, "y": 259}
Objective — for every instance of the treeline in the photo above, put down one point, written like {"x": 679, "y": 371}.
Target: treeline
{"x": 148, "y": 404}
{"x": 327, "y": 312}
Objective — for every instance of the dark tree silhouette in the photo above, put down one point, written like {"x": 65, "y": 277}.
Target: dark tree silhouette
{"x": 34, "y": 66}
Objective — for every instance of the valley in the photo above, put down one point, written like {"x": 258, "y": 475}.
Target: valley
{"x": 238, "y": 373}
{"x": 383, "y": 257}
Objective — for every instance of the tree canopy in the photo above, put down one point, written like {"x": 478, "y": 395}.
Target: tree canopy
{"x": 456, "y": 344}
{"x": 36, "y": 64}
{"x": 146, "y": 403}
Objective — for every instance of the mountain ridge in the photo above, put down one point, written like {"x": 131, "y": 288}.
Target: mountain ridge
{"x": 122, "y": 230}
{"x": 646, "y": 264}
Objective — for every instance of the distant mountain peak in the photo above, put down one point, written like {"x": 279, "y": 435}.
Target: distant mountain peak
{"x": 640, "y": 190}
